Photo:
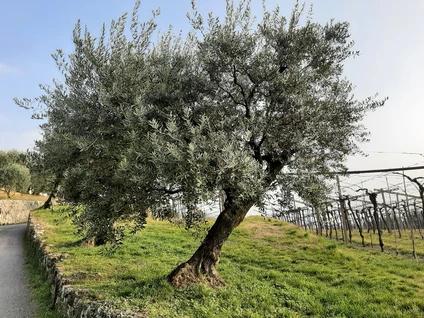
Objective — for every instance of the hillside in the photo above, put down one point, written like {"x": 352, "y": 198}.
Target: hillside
{"x": 22, "y": 196}
{"x": 272, "y": 269}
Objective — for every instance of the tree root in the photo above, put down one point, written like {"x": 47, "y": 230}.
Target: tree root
{"x": 187, "y": 274}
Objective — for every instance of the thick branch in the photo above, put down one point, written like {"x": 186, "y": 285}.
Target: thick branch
{"x": 251, "y": 78}
{"x": 256, "y": 150}
{"x": 231, "y": 96}
{"x": 246, "y": 101}
{"x": 256, "y": 147}
{"x": 415, "y": 180}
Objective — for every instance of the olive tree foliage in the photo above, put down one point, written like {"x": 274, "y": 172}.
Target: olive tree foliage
{"x": 46, "y": 173}
{"x": 237, "y": 107}
{"x": 40, "y": 177}
{"x": 14, "y": 175}
{"x": 8, "y": 157}
{"x": 86, "y": 130}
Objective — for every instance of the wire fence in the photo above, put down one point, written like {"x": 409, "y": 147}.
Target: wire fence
{"x": 374, "y": 210}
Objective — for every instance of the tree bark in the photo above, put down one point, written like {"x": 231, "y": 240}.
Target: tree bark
{"x": 373, "y": 220}
{"x": 318, "y": 221}
{"x": 418, "y": 224}
{"x": 366, "y": 219}
{"x": 201, "y": 266}
{"x": 52, "y": 195}
{"x": 373, "y": 199}
{"x": 330, "y": 225}
{"x": 389, "y": 227}
{"x": 360, "y": 227}
{"x": 384, "y": 221}
{"x": 357, "y": 222}
{"x": 8, "y": 192}
{"x": 396, "y": 221}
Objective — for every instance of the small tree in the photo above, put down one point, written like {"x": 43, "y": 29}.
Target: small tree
{"x": 236, "y": 108}
{"x": 14, "y": 177}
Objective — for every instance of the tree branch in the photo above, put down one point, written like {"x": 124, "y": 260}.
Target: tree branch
{"x": 231, "y": 96}
{"x": 415, "y": 180}
{"x": 246, "y": 101}
{"x": 256, "y": 150}
{"x": 251, "y": 78}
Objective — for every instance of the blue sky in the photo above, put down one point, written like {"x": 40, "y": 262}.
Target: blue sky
{"x": 387, "y": 32}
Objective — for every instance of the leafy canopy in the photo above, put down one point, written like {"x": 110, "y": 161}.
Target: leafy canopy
{"x": 14, "y": 175}
{"x": 236, "y": 106}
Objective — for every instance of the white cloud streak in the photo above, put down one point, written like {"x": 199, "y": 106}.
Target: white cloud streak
{"x": 6, "y": 69}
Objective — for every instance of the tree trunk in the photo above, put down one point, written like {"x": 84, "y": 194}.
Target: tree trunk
{"x": 360, "y": 227}
{"x": 418, "y": 224}
{"x": 335, "y": 224}
{"x": 384, "y": 221}
{"x": 373, "y": 221}
{"x": 349, "y": 227}
{"x": 414, "y": 253}
{"x": 8, "y": 192}
{"x": 325, "y": 223}
{"x": 330, "y": 224}
{"x": 373, "y": 199}
{"x": 396, "y": 222}
{"x": 389, "y": 228}
{"x": 52, "y": 195}
{"x": 366, "y": 219}
{"x": 48, "y": 202}
{"x": 318, "y": 221}
{"x": 201, "y": 266}
{"x": 357, "y": 222}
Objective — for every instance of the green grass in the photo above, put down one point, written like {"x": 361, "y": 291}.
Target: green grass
{"x": 40, "y": 287}
{"x": 21, "y": 196}
{"x": 403, "y": 244}
{"x": 272, "y": 269}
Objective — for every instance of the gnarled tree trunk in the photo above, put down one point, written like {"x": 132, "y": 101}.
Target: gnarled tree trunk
{"x": 52, "y": 195}
{"x": 201, "y": 266}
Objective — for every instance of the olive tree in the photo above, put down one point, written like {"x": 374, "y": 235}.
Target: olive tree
{"x": 237, "y": 107}
{"x": 270, "y": 99}
{"x": 14, "y": 175}
{"x": 85, "y": 136}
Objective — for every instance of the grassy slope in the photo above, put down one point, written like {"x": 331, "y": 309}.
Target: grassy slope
{"x": 272, "y": 269}
{"x": 392, "y": 242}
{"x": 22, "y": 196}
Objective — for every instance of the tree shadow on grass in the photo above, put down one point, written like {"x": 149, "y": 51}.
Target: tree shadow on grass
{"x": 79, "y": 242}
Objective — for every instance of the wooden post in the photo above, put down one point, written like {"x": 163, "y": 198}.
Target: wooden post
{"x": 404, "y": 189}
{"x": 389, "y": 223}
{"x": 342, "y": 210}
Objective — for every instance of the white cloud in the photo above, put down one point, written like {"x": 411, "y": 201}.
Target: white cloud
{"x": 6, "y": 69}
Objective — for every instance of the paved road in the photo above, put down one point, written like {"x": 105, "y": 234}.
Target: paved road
{"x": 14, "y": 292}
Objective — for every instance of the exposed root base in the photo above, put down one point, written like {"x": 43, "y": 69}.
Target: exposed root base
{"x": 186, "y": 275}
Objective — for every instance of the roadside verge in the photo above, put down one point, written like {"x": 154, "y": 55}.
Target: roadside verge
{"x": 67, "y": 300}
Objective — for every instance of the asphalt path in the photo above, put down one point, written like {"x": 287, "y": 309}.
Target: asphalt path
{"x": 15, "y": 299}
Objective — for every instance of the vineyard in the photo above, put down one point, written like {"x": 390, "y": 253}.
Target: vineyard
{"x": 379, "y": 210}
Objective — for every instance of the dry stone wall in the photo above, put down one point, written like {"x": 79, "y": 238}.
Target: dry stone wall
{"x": 16, "y": 211}
{"x": 72, "y": 302}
